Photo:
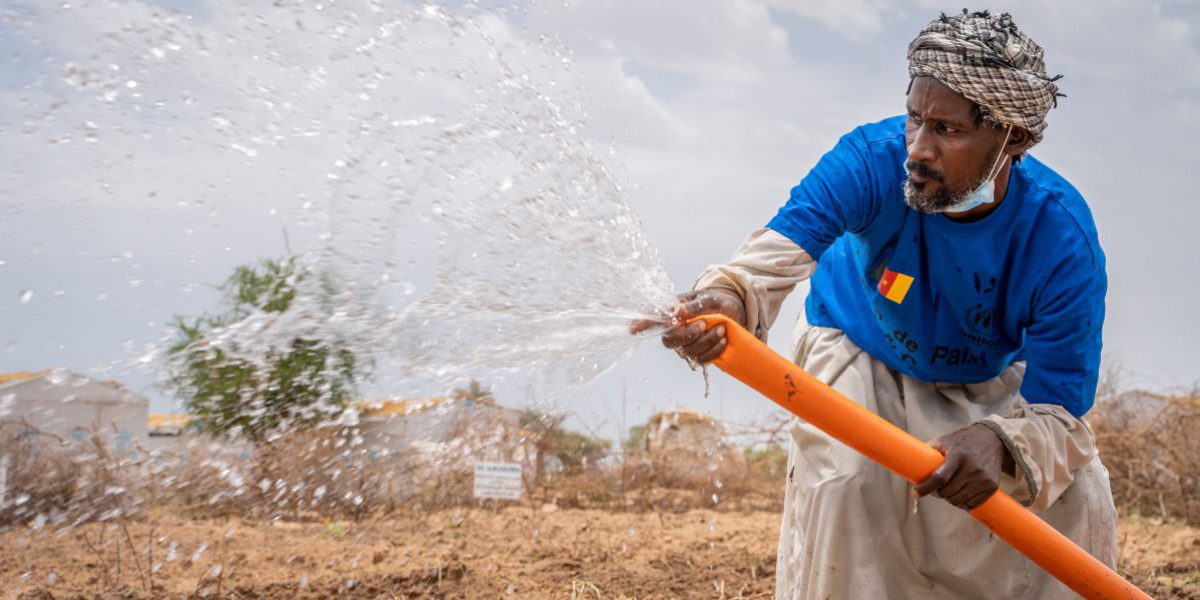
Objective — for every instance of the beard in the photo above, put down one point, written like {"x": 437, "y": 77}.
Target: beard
{"x": 918, "y": 198}
{"x": 932, "y": 202}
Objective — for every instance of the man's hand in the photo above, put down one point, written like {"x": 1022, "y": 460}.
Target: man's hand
{"x": 970, "y": 474}
{"x": 692, "y": 341}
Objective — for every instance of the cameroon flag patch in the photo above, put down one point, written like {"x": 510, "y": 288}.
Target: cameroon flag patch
{"x": 894, "y": 286}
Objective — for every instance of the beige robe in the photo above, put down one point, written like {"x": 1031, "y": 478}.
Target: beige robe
{"x": 850, "y": 528}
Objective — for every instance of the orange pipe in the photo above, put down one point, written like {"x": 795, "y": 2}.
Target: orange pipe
{"x": 749, "y": 360}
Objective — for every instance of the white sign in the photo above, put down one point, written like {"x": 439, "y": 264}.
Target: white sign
{"x": 498, "y": 480}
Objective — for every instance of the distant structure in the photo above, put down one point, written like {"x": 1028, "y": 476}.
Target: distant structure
{"x": 444, "y": 429}
{"x": 688, "y": 448}
{"x": 71, "y": 407}
{"x": 683, "y": 428}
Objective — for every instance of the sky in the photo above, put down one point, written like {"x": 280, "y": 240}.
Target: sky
{"x": 706, "y": 112}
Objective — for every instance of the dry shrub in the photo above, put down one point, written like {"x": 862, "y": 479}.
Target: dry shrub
{"x": 595, "y": 487}
{"x": 199, "y": 478}
{"x": 308, "y": 475}
{"x": 761, "y": 487}
{"x": 704, "y": 474}
{"x": 656, "y": 483}
{"x": 1149, "y": 444}
{"x": 51, "y": 480}
{"x": 328, "y": 472}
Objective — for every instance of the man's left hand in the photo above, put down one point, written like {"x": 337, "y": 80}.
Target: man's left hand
{"x": 970, "y": 474}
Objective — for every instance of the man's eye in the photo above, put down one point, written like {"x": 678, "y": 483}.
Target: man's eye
{"x": 948, "y": 130}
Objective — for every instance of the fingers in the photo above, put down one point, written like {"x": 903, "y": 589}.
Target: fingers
{"x": 640, "y": 325}
{"x": 683, "y": 335}
{"x": 958, "y": 483}
{"x": 977, "y": 500}
{"x": 710, "y": 345}
{"x": 939, "y": 477}
{"x": 953, "y": 490}
{"x": 709, "y": 301}
{"x": 694, "y": 306}
{"x": 695, "y": 342}
{"x": 961, "y": 493}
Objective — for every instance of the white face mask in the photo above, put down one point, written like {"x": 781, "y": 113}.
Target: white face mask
{"x": 986, "y": 192}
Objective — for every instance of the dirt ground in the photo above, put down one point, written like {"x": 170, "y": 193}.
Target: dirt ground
{"x": 516, "y": 552}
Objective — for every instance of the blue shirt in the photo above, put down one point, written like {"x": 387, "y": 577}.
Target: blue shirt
{"x": 940, "y": 300}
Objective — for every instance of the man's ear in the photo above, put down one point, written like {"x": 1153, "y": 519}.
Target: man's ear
{"x": 1019, "y": 142}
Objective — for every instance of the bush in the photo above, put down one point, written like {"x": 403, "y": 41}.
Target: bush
{"x": 49, "y": 480}
{"x": 1150, "y": 446}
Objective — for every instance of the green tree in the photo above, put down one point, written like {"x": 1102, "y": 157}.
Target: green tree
{"x": 300, "y": 382}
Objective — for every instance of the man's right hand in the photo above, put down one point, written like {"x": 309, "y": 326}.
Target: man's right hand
{"x": 692, "y": 341}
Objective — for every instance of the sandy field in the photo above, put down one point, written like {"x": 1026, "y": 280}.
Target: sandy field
{"x": 516, "y": 552}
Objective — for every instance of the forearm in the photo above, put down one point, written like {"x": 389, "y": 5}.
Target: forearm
{"x": 762, "y": 272}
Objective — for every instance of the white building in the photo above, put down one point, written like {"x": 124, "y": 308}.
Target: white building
{"x": 71, "y": 407}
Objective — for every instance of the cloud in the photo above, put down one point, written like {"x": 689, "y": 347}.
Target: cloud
{"x": 730, "y": 41}
{"x": 855, "y": 19}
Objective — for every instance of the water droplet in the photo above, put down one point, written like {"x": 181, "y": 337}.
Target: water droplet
{"x": 199, "y": 551}
{"x": 26, "y": 296}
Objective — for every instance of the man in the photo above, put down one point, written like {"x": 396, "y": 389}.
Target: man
{"x": 957, "y": 291}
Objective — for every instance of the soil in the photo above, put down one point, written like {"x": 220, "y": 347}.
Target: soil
{"x": 515, "y": 552}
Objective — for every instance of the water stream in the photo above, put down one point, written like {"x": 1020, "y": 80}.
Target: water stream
{"x": 430, "y": 165}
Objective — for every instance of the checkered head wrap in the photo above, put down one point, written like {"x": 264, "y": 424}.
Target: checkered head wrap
{"x": 989, "y": 62}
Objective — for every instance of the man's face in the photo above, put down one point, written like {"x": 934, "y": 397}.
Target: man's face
{"x": 949, "y": 154}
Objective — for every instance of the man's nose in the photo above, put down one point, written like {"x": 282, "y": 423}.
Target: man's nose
{"x": 920, "y": 148}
